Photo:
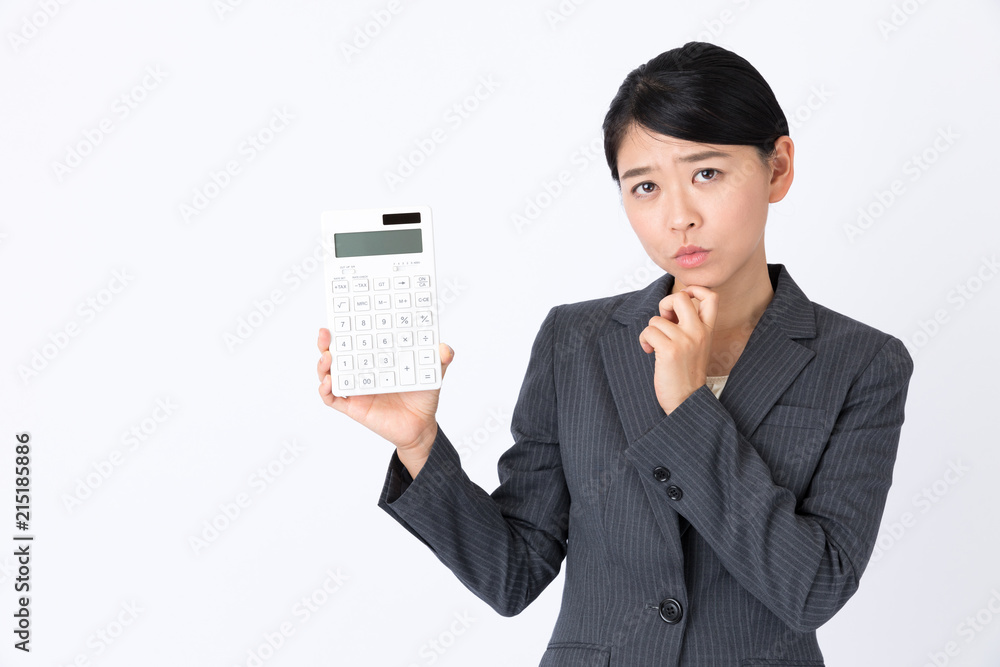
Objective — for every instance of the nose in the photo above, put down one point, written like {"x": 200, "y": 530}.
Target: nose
{"x": 678, "y": 212}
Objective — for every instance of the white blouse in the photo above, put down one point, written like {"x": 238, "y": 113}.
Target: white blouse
{"x": 716, "y": 383}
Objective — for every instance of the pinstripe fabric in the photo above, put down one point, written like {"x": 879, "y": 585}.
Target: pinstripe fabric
{"x": 760, "y": 534}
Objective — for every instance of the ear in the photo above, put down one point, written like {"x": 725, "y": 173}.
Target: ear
{"x": 782, "y": 169}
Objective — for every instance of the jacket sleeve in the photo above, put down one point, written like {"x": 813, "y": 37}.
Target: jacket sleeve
{"x": 506, "y": 547}
{"x": 802, "y": 562}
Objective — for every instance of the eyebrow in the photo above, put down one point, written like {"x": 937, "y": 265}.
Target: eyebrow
{"x": 693, "y": 157}
{"x": 704, "y": 155}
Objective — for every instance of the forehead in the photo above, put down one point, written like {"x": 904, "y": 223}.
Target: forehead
{"x": 640, "y": 144}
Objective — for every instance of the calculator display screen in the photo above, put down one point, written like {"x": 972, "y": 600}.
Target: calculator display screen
{"x": 363, "y": 244}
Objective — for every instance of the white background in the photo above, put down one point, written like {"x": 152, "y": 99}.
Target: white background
{"x": 863, "y": 103}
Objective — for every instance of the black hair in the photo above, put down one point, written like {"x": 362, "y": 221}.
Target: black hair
{"x": 698, "y": 92}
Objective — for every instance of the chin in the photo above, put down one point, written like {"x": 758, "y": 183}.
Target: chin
{"x": 696, "y": 276}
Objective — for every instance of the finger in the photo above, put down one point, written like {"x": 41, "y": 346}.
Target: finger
{"x": 653, "y": 338}
{"x": 646, "y": 347}
{"x": 670, "y": 330}
{"x": 338, "y": 403}
{"x": 324, "y": 364}
{"x": 668, "y": 304}
{"x": 323, "y": 341}
{"x": 708, "y": 308}
{"x": 326, "y": 391}
{"x": 447, "y": 356}
{"x": 667, "y": 308}
{"x": 685, "y": 309}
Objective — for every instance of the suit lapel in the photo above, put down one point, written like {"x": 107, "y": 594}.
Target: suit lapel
{"x": 767, "y": 366}
{"x": 772, "y": 359}
{"x": 629, "y": 369}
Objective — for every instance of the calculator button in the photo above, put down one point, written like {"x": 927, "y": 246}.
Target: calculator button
{"x": 407, "y": 373}
{"x": 384, "y": 331}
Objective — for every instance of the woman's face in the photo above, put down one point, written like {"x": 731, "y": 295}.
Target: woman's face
{"x": 679, "y": 193}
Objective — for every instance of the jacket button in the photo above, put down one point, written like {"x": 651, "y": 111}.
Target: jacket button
{"x": 674, "y": 492}
{"x": 661, "y": 474}
{"x": 671, "y": 611}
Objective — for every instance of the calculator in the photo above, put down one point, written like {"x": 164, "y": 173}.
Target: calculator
{"x": 381, "y": 300}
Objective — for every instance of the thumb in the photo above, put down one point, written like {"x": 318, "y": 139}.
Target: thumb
{"x": 447, "y": 356}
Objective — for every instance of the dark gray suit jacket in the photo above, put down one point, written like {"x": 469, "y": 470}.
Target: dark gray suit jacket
{"x": 720, "y": 535}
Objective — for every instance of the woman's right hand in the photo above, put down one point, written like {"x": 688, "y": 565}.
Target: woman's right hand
{"x": 406, "y": 419}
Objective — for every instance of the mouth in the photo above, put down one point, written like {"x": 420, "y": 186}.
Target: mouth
{"x": 691, "y": 256}
{"x": 689, "y": 250}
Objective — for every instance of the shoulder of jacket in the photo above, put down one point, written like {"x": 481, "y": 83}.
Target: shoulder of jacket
{"x": 585, "y": 318}
{"x": 868, "y": 341}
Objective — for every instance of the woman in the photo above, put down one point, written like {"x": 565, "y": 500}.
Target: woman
{"x": 711, "y": 454}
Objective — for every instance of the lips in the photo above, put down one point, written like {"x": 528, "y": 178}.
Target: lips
{"x": 688, "y": 250}
{"x": 691, "y": 256}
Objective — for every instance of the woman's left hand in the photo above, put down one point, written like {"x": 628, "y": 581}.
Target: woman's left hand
{"x": 681, "y": 337}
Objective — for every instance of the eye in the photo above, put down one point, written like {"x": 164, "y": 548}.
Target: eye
{"x": 708, "y": 174}
{"x": 645, "y": 188}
